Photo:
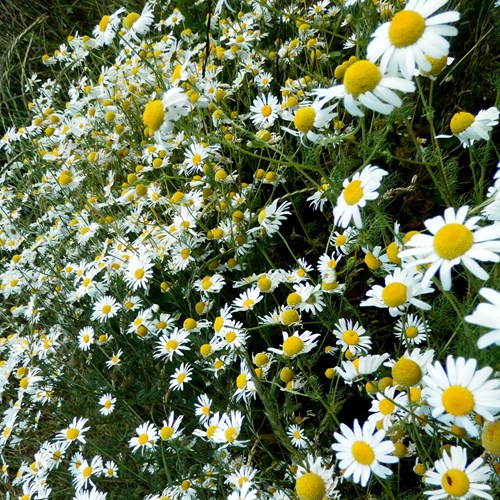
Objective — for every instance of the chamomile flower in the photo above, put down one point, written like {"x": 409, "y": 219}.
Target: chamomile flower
{"x": 247, "y": 300}
{"x": 85, "y": 338}
{"x": 387, "y": 408}
{"x": 105, "y": 308}
{"x": 107, "y": 402}
{"x": 459, "y": 393}
{"x": 454, "y": 240}
{"x": 362, "y": 188}
{"x": 170, "y": 428}
{"x": 85, "y": 472}
{"x": 351, "y": 371}
{"x": 297, "y": 344}
{"x": 456, "y": 479}
{"x": 411, "y": 329}
{"x": 469, "y": 128}
{"x": 229, "y": 429}
{"x": 402, "y": 43}
{"x": 364, "y": 83}
{"x": 74, "y": 432}
{"x": 362, "y": 451}
{"x": 172, "y": 344}
{"x": 271, "y": 217}
{"x": 138, "y": 24}
{"x": 409, "y": 369}
{"x": 107, "y": 28}
{"x": 400, "y": 291}
{"x": 203, "y": 407}
{"x": 139, "y": 270}
{"x": 264, "y": 110}
{"x": 487, "y": 314}
{"x": 145, "y": 438}
{"x": 309, "y": 119}
{"x": 115, "y": 359}
{"x": 297, "y": 436}
{"x": 181, "y": 376}
{"x": 351, "y": 337}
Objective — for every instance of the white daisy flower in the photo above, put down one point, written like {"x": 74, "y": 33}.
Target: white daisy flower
{"x": 469, "y": 128}
{"x": 105, "y": 308}
{"x": 170, "y": 428}
{"x": 362, "y": 188}
{"x": 402, "y": 43}
{"x": 456, "y": 479}
{"x": 400, "y": 290}
{"x": 271, "y": 217}
{"x": 85, "y": 338}
{"x": 387, "y": 407}
{"x": 364, "y": 83}
{"x": 172, "y": 344}
{"x": 297, "y": 436}
{"x": 357, "y": 369}
{"x": 229, "y": 429}
{"x": 181, "y": 376}
{"x": 487, "y": 315}
{"x": 411, "y": 329}
{"x": 247, "y": 300}
{"x": 459, "y": 393}
{"x": 145, "y": 439}
{"x": 139, "y": 270}
{"x": 453, "y": 240}
{"x": 138, "y": 24}
{"x": 264, "y": 110}
{"x": 107, "y": 402}
{"x": 362, "y": 451}
{"x": 351, "y": 337}
{"x": 74, "y": 432}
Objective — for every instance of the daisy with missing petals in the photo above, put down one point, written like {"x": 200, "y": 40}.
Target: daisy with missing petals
{"x": 402, "y": 43}
{"x": 271, "y": 217}
{"x": 146, "y": 437}
{"x": 264, "y": 111}
{"x": 362, "y": 451}
{"x": 364, "y": 83}
{"x": 172, "y": 344}
{"x": 457, "y": 480}
{"x": 170, "y": 427}
{"x": 459, "y": 393}
{"x": 355, "y": 370}
{"x": 487, "y": 315}
{"x": 400, "y": 290}
{"x": 412, "y": 330}
{"x": 74, "y": 432}
{"x": 314, "y": 481}
{"x": 308, "y": 117}
{"x": 453, "y": 240}
{"x": 352, "y": 338}
{"x": 229, "y": 429}
{"x": 362, "y": 188}
{"x": 297, "y": 344}
{"x": 469, "y": 128}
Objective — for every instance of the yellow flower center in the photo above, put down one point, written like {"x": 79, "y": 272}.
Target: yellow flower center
{"x": 406, "y": 372}
{"x": 264, "y": 284}
{"x": 461, "y": 121}
{"x": 372, "y": 262}
{"x": 362, "y": 76}
{"x": 65, "y": 178}
{"x": 231, "y": 434}
{"x": 350, "y": 337}
{"x": 181, "y": 377}
{"x": 241, "y": 381}
{"x": 457, "y": 400}
{"x": 72, "y": 433}
{"x": 107, "y": 404}
{"x": 289, "y": 316}
{"x": 310, "y": 486}
{"x": 166, "y": 432}
{"x": 386, "y": 407}
{"x": 103, "y": 24}
{"x": 87, "y": 471}
{"x": 139, "y": 274}
{"x": 453, "y": 240}
{"x": 211, "y": 431}
{"x": 293, "y": 299}
{"x": 154, "y": 114}
{"x": 143, "y": 438}
{"x": 455, "y": 482}
{"x": 171, "y": 345}
{"x": 292, "y": 346}
{"x": 394, "y": 294}
{"x": 131, "y": 19}
{"x": 437, "y": 65}
{"x": 392, "y": 253}
{"x": 248, "y": 303}
{"x": 196, "y": 159}
{"x": 266, "y": 110}
{"x": 411, "y": 332}
{"x": 363, "y": 453}
{"x": 353, "y": 192}
{"x": 406, "y": 28}
{"x": 490, "y": 438}
{"x": 341, "y": 240}
{"x": 230, "y": 337}
{"x": 304, "y": 119}
{"x": 106, "y": 309}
